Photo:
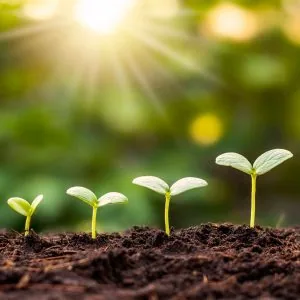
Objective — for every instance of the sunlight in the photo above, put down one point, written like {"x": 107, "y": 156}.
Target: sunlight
{"x": 145, "y": 85}
{"x": 144, "y": 53}
{"x": 40, "y": 9}
{"x": 163, "y": 9}
{"x": 101, "y": 16}
{"x": 188, "y": 62}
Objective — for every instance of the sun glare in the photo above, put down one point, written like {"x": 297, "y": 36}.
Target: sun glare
{"x": 101, "y": 16}
{"x": 40, "y": 9}
{"x": 232, "y": 21}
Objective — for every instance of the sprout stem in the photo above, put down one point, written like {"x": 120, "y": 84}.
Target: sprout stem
{"x": 94, "y": 222}
{"x": 168, "y": 198}
{"x": 27, "y": 225}
{"x": 253, "y": 191}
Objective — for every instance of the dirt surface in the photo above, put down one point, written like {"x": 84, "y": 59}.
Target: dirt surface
{"x": 207, "y": 262}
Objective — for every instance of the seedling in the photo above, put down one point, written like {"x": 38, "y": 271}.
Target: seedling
{"x": 24, "y": 208}
{"x": 158, "y": 185}
{"x": 262, "y": 165}
{"x": 90, "y": 198}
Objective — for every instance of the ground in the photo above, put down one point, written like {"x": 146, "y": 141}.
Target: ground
{"x": 211, "y": 261}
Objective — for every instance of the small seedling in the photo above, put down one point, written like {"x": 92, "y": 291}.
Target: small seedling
{"x": 158, "y": 185}
{"x": 262, "y": 165}
{"x": 24, "y": 208}
{"x": 90, "y": 198}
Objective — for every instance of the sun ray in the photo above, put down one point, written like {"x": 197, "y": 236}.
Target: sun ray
{"x": 159, "y": 69}
{"x": 180, "y": 14}
{"x": 165, "y": 73}
{"x": 85, "y": 78}
{"x": 120, "y": 73}
{"x": 164, "y": 49}
{"x": 68, "y": 85}
{"x": 157, "y": 29}
{"x": 145, "y": 85}
{"x": 38, "y": 42}
{"x": 186, "y": 12}
{"x": 32, "y": 29}
{"x": 143, "y": 82}
{"x": 90, "y": 88}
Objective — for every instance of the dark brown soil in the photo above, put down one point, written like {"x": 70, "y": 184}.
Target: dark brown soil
{"x": 206, "y": 262}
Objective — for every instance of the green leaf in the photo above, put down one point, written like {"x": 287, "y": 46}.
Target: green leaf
{"x": 270, "y": 160}
{"x": 186, "y": 184}
{"x": 153, "y": 183}
{"x": 112, "y": 198}
{"x": 83, "y": 194}
{"x": 35, "y": 203}
{"x": 20, "y": 205}
{"x": 236, "y": 161}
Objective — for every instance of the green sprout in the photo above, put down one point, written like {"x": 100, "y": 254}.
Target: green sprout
{"x": 263, "y": 164}
{"x": 24, "y": 208}
{"x": 90, "y": 198}
{"x": 158, "y": 185}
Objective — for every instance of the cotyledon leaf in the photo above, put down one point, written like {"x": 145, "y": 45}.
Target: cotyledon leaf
{"x": 185, "y": 184}
{"x": 112, "y": 198}
{"x": 20, "y": 205}
{"x": 36, "y": 202}
{"x": 270, "y": 159}
{"x": 83, "y": 194}
{"x": 236, "y": 161}
{"x": 153, "y": 183}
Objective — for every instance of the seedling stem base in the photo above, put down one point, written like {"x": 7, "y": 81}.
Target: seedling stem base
{"x": 167, "y": 204}
{"x": 27, "y": 225}
{"x": 253, "y": 192}
{"x": 94, "y": 217}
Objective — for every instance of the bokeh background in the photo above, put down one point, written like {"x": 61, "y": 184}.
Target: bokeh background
{"x": 96, "y": 93}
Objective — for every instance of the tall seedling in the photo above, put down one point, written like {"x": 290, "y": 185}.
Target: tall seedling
{"x": 262, "y": 165}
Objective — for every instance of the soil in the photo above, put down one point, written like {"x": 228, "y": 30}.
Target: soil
{"x": 210, "y": 261}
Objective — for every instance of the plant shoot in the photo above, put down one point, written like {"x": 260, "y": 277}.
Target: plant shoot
{"x": 90, "y": 198}
{"x": 158, "y": 185}
{"x": 263, "y": 164}
{"x": 24, "y": 208}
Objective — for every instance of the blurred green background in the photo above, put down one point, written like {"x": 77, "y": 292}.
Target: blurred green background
{"x": 96, "y": 94}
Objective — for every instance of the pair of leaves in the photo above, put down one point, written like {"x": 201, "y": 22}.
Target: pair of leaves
{"x": 263, "y": 164}
{"x": 90, "y": 198}
{"x": 158, "y": 185}
{"x": 23, "y": 207}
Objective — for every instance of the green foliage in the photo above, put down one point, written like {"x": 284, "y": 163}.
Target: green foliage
{"x": 263, "y": 164}
{"x": 24, "y": 208}
{"x": 158, "y": 185}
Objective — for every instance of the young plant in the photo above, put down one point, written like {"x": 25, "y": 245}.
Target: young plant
{"x": 262, "y": 165}
{"x": 90, "y": 198}
{"x": 24, "y": 208}
{"x": 158, "y": 185}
